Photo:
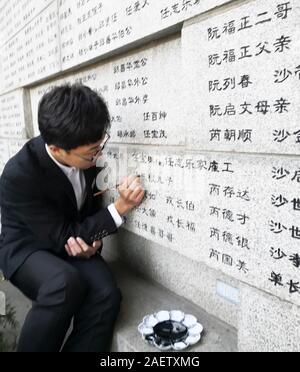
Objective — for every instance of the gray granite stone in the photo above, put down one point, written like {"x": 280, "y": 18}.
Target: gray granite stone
{"x": 4, "y": 153}
{"x": 15, "y": 146}
{"x": 267, "y": 324}
{"x": 242, "y": 78}
{"x": 236, "y": 213}
{"x": 15, "y": 115}
{"x": 94, "y": 29}
{"x": 141, "y": 88}
{"x": 78, "y": 33}
{"x": 2, "y": 303}
{"x": 34, "y": 52}
{"x": 14, "y": 15}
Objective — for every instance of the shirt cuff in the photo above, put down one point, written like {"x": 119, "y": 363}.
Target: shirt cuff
{"x": 115, "y": 215}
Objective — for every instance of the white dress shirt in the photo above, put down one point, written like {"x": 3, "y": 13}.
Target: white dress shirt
{"x": 77, "y": 179}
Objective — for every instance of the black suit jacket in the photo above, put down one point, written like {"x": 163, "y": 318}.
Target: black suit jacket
{"x": 39, "y": 209}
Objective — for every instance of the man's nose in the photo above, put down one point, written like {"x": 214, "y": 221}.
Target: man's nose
{"x": 97, "y": 156}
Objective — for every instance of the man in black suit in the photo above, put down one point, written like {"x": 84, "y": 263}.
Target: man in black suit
{"x": 52, "y": 229}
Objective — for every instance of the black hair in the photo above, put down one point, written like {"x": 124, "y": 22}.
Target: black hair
{"x": 70, "y": 116}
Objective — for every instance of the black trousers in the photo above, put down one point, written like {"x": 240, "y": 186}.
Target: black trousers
{"x": 62, "y": 290}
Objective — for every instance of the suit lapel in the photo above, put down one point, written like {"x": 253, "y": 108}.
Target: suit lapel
{"x": 57, "y": 179}
{"x": 89, "y": 175}
{"x": 54, "y": 173}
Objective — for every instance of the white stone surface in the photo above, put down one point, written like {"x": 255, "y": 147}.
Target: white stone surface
{"x": 141, "y": 88}
{"x": 15, "y": 146}
{"x": 34, "y": 52}
{"x": 243, "y": 77}
{"x": 1, "y": 71}
{"x": 14, "y": 15}
{"x": 2, "y": 303}
{"x": 13, "y": 119}
{"x": 32, "y": 33}
{"x": 4, "y": 153}
{"x": 236, "y": 213}
{"x": 267, "y": 324}
{"x": 96, "y": 27}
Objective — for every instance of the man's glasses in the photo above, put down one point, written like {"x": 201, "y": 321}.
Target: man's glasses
{"x": 99, "y": 151}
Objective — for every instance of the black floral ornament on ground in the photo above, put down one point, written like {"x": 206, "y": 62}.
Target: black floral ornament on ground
{"x": 168, "y": 330}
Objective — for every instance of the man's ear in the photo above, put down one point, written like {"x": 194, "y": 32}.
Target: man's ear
{"x": 54, "y": 149}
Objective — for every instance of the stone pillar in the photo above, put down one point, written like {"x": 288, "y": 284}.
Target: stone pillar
{"x": 2, "y": 303}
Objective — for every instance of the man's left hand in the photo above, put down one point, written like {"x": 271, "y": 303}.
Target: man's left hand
{"x": 79, "y": 248}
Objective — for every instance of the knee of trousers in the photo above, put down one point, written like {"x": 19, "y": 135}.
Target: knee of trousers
{"x": 65, "y": 289}
{"x": 111, "y": 299}
{"x": 114, "y": 299}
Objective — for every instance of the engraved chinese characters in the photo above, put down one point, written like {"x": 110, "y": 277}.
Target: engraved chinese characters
{"x": 239, "y": 214}
{"x": 140, "y": 94}
{"x": 12, "y": 115}
{"x": 32, "y": 53}
{"x": 93, "y": 28}
{"x": 246, "y": 79}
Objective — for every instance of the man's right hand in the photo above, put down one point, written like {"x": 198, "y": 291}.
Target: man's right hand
{"x": 131, "y": 195}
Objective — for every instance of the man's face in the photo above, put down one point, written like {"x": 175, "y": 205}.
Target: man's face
{"x": 83, "y": 157}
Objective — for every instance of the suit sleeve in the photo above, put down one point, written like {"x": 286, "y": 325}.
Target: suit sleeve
{"x": 27, "y": 206}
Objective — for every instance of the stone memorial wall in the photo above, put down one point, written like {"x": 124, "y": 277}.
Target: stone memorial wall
{"x": 238, "y": 214}
{"x": 249, "y": 72}
{"x": 2, "y": 303}
{"x": 205, "y": 107}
